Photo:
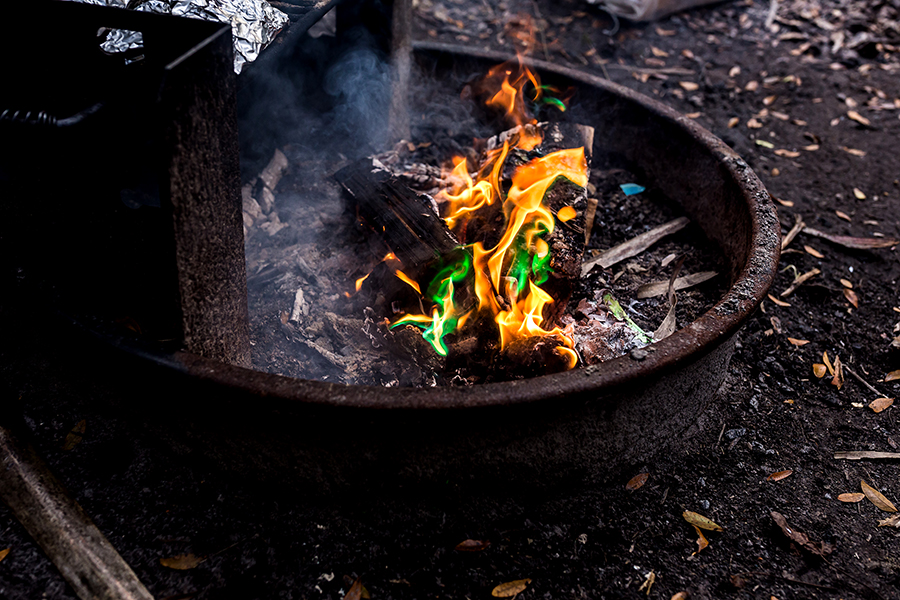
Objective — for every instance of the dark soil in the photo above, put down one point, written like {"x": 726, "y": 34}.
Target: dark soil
{"x": 818, "y": 61}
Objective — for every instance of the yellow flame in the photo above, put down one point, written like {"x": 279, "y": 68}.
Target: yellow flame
{"x": 406, "y": 279}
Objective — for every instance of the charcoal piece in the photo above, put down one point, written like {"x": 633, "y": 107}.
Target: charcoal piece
{"x": 406, "y": 221}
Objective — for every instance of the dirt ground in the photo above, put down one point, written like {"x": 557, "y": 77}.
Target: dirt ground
{"x": 811, "y": 100}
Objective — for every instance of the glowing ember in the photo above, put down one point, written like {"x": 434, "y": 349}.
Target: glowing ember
{"x": 506, "y": 278}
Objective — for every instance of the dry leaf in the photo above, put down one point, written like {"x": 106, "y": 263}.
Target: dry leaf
{"x": 797, "y": 342}
{"x": 854, "y": 151}
{"x": 892, "y": 376}
{"x": 473, "y": 545}
{"x": 702, "y": 542}
{"x": 637, "y": 481}
{"x": 3, "y": 553}
{"x": 819, "y": 370}
{"x": 658, "y": 288}
{"x": 680, "y": 596}
{"x": 812, "y": 251}
{"x": 892, "y": 521}
{"x": 851, "y": 497}
{"x": 827, "y": 363}
{"x": 181, "y": 562}
{"x": 510, "y": 588}
{"x": 648, "y": 583}
{"x": 847, "y": 284}
{"x": 698, "y": 520}
{"x": 778, "y": 302}
{"x": 665, "y": 32}
{"x": 690, "y": 86}
{"x": 877, "y": 498}
{"x": 754, "y": 124}
{"x": 787, "y": 153}
{"x": 357, "y": 591}
{"x": 858, "y": 117}
{"x": 879, "y": 404}
{"x": 842, "y": 215}
{"x": 818, "y": 548}
{"x": 768, "y": 100}
{"x": 780, "y": 475}
{"x": 860, "y": 195}
{"x": 838, "y": 379}
{"x": 634, "y": 246}
{"x": 658, "y": 53}
{"x": 851, "y": 297}
{"x": 75, "y": 436}
{"x": 787, "y": 203}
{"x": 733, "y": 121}
{"x": 811, "y": 147}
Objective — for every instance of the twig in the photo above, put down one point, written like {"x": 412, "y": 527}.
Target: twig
{"x": 798, "y": 281}
{"x": 649, "y": 71}
{"x": 861, "y": 454}
{"x": 634, "y": 246}
{"x": 863, "y": 381}
{"x": 773, "y": 11}
{"x": 797, "y": 228}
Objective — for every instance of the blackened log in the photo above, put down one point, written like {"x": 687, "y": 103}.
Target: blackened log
{"x": 405, "y": 220}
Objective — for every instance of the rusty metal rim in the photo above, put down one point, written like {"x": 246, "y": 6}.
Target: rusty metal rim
{"x": 685, "y": 346}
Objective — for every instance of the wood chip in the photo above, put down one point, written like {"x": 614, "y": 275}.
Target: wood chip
{"x": 879, "y": 404}
{"x": 851, "y": 297}
{"x": 698, "y": 520}
{"x": 658, "y": 288}
{"x": 851, "y": 497}
{"x": 854, "y": 243}
{"x": 637, "y": 481}
{"x": 510, "y": 588}
{"x": 865, "y": 454}
{"x": 800, "y": 280}
{"x": 797, "y": 342}
{"x": 778, "y": 476}
{"x": 634, "y": 246}
{"x": 778, "y": 302}
{"x": 812, "y": 251}
{"x": 877, "y": 498}
{"x": 858, "y": 118}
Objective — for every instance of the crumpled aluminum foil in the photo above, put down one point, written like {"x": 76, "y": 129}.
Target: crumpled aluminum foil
{"x": 254, "y": 23}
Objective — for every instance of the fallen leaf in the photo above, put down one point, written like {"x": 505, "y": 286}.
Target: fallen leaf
{"x": 812, "y": 251}
{"x": 769, "y": 100}
{"x": 732, "y": 122}
{"x": 843, "y": 215}
{"x": 680, "y": 596}
{"x": 811, "y": 147}
{"x": 693, "y": 115}
{"x": 778, "y": 302}
{"x": 754, "y": 124}
{"x": 851, "y": 297}
{"x": 797, "y": 342}
{"x": 879, "y": 404}
{"x": 851, "y": 497}
{"x": 780, "y": 475}
{"x": 752, "y": 86}
{"x": 698, "y": 520}
{"x": 690, "y": 86}
{"x": 472, "y": 545}
{"x": 892, "y": 376}
{"x": 637, "y": 481}
{"x": 765, "y": 144}
{"x": 665, "y": 32}
{"x": 877, "y": 498}
{"x": 357, "y": 591}
{"x": 3, "y": 553}
{"x": 74, "y": 437}
{"x": 818, "y": 548}
{"x": 510, "y": 588}
{"x": 819, "y": 370}
{"x": 181, "y": 562}
{"x": 787, "y": 203}
{"x": 827, "y": 363}
{"x": 634, "y": 246}
{"x": 658, "y": 53}
{"x": 847, "y": 283}
{"x": 787, "y": 153}
{"x": 658, "y": 288}
{"x": 860, "y": 195}
{"x": 838, "y": 379}
{"x": 648, "y": 583}
{"x": 854, "y": 151}
{"x": 892, "y": 521}
{"x": 702, "y": 542}
{"x": 858, "y": 117}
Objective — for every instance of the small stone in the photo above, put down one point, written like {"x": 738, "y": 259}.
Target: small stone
{"x": 639, "y": 354}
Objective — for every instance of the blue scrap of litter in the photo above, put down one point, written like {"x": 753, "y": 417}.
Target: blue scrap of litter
{"x": 631, "y": 189}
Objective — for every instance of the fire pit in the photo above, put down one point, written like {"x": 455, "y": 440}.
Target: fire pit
{"x": 540, "y": 431}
